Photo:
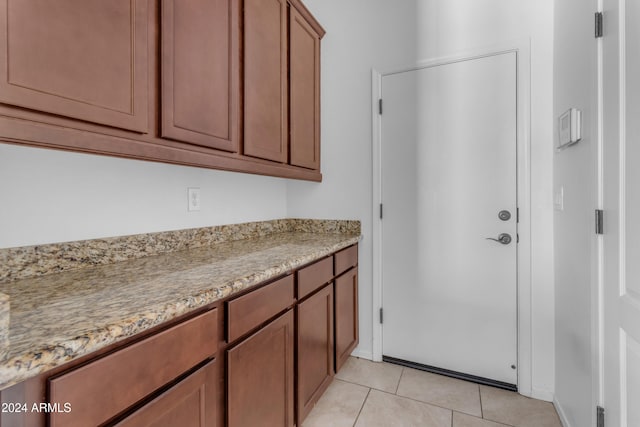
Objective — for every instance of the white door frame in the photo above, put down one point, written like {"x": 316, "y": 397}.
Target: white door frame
{"x": 522, "y": 50}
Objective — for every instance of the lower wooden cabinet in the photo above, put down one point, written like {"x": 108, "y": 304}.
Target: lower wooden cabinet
{"x": 190, "y": 403}
{"x": 315, "y": 349}
{"x": 346, "y": 290}
{"x": 260, "y": 374}
{"x": 261, "y": 358}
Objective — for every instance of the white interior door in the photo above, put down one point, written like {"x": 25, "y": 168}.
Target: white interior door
{"x": 448, "y": 159}
{"x": 621, "y": 240}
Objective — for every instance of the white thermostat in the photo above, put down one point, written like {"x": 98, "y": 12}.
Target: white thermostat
{"x": 569, "y": 128}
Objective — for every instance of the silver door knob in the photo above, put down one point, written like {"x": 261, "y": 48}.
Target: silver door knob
{"x": 503, "y": 238}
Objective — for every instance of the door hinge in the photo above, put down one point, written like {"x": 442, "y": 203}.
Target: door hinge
{"x": 599, "y": 221}
{"x": 598, "y": 25}
{"x": 380, "y": 210}
{"x": 381, "y": 315}
{"x": 600, "y": 416}
{"x": 380, "y": 106}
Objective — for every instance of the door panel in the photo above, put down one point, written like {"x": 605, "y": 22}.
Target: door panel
{"x": 265, "y": 79}
{"x": 77, "y": 58}
{"x": 621, "y": 154}
{"x": 200, "y": 72}
{"x": 305, "y": 93}
{"x": 260, "y": 377}
{"x": 448, "y": 169}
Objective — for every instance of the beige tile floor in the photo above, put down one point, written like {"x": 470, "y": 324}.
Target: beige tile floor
{"x": 368, "y": 394}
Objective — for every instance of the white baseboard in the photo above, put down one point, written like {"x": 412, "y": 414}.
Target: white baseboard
{"x": 545, "y": 395}
{"x": 362, "y": 354}
{"x": 561, "y": 414}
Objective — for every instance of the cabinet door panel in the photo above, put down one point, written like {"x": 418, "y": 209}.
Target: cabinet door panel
{"x": 304, "y": 86}
{"x": 346, "y": 316}
{"x": 200, "y": 74}
{"x": 315, "y": 349}
{"x": 260, "y": 377}
{"x": 77, "y": 58}
{"x": 265, "y": 79}
{"x": 190, "y": 403}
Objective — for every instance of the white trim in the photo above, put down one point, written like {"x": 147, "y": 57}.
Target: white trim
{"x": 362, "y": 354}
{"x": 561, "y": 413}
{"x": 545, "y": 395}
{"x": 376, "y": 229}
{"x": 522, "y": 50}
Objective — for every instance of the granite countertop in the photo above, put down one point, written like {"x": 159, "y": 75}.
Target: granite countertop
{"x": 55, "y": 318}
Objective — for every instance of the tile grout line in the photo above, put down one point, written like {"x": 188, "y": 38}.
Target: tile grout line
{"x": 361, "y": 408}
{"x": 484, "y": 419}
{"x": 399, "y": 379}
{"x": 426, "y": 403}
{"x": 481, "y": 408}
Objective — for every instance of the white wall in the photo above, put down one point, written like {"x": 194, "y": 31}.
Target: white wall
{"x": 361, "y": 34}
{"x": 55, "y": 196}
{"x": 385, "y": 35}
{"x": 574, "y": 170}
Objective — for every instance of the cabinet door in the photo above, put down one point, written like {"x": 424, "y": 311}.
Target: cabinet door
{"x": 346, "y": 315}
{"x": 77, "y": 58}
{"x": 260, "y": 377}
{"x": 315, "y": 349}
{"x": 190, "y": 403}
{"x": 200, "y": 72}
{"x": 265, "y": 79}
{"x": 304, "y": 96}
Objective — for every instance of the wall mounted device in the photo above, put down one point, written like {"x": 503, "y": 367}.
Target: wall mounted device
{"x": 569, "y": 128}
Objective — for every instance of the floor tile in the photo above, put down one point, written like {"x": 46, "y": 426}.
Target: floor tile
{"x": 381, "y": 376}
{"x": 511, "y": 408}
{"x": 464, "y": 420}
{"x": 461, "y": 396}
{"x": 384, "y": 410}
{"x": 339, "y": 406}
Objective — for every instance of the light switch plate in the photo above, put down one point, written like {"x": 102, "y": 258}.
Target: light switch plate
{"x": 193, "y": 199}
{"x": 558, "y": 199}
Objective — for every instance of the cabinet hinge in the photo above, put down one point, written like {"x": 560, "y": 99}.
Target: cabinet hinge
{"x": 598, "y": 25}
{"x": 380, "y": 106}
{"x": 599, "y": 221}
{"x": 380, "y": 210}
{"x": 600, "y": 416}
{"x": 381, "y": 318}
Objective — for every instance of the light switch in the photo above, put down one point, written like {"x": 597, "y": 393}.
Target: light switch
{"x": 193, "y": 199}
{"x": 558, "y": 199}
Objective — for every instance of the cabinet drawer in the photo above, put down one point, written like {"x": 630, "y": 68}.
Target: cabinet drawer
{"x": 256, "y": 307}
{"x": 314, "y": 276}
{"x": 346, "y": 258}
{"x": 102, "y": 389}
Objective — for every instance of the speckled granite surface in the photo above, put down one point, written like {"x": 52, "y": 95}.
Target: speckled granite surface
{"x": 56, "y": 318}
{"x": 31, "y": 261}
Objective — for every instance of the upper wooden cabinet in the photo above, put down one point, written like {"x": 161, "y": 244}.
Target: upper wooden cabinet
{"x": 265, "y": 79}
{"x": 76, "y": 58}
{"x": 221, "y": 84}
{"x": 200, "y": 72}
{"x": 304, "y": 91}
{"x": 282, "y": 82}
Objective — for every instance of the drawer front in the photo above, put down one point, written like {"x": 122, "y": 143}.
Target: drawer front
{"x": 256, "y": 307}
{"x": 102, "y": 389}
{"x": 191, "y": 402}
{"x": 314, "y": 276}
{"x": 346, "y": 258}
